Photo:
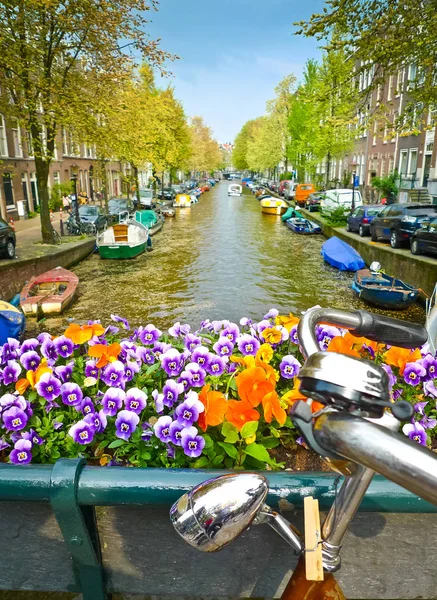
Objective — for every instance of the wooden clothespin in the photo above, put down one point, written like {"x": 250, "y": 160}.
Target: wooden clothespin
{"x": 313, "y": 539}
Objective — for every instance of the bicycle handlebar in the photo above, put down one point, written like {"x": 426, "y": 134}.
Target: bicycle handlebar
{"x": 360, "y": 323}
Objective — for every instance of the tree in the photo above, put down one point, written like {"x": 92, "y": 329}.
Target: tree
{"x": 205, "y": 152}
{"x": 279, "y": 110}
{"x": 239, "y": 154}
{"x": 387, "y": 34}
{"x": 60, "y": 64}
{"x": 265, "y": 146}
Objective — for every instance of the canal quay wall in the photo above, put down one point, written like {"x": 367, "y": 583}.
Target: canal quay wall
{"x": 15, "y": 273}
{"x": 419, "y": 271}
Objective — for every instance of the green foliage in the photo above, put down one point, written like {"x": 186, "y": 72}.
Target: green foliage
{"x": 387, "y": 185}
{"x": 337, "y": 218}
{"x": 286, "y": 176}
{"x": 57, "y": 191}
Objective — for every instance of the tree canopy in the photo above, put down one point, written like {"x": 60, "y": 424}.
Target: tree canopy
{"x": 205, "y": 152}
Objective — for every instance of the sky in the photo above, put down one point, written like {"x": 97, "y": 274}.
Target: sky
{"x": 232, "y": 54}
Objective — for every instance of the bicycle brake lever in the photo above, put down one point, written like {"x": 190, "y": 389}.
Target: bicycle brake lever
{"x": 302, "y": 418}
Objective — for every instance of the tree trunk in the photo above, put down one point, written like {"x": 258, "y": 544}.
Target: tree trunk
{"x": 137, "y": 183}
{"x": 42, "y": 168}
{"x": 162, "y": 186}
{"x": 104, "y": 184}
{"x": 328, "y": 168}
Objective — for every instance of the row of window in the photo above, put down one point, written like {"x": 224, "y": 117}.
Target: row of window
{"x": 70, "y": 147}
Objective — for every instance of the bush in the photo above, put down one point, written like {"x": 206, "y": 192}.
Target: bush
{"x": 57, "y": 191}
{"x": 338, "y": 218}
{"x": 286, "y": 176}
{"x": 387, "y": 186}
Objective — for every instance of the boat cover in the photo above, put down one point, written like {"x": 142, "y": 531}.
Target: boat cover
{"x": 341, "y": 256}
{"x": 147, "y": 218}
{"x": 12, "y": 322}
{"x": 292, "y": 212}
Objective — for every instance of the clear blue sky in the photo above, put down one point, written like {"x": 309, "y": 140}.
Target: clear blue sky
{"x": 233, "y": 53}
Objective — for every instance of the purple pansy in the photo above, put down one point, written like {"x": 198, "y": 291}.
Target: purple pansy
{"x": 185, "y": 379}
{"x": 419, "y": 408}
{"x": 172, "y": 362}
{"x": 391, "y": 376}
{"x": 48, "y": 350}
{"x": 57, "y": 425}
{"x": 30, "y": 344}
{"x": 289, "y": 367}
{"x": 200, "y": 356}
{"x": 90, "y": 369}
{"x": 63, "y": 346}
{"x": 97, "y": 421}
{"x": 264, "y": 324}
{"x": 224, "y": 346}
{"x": 179, "y": 330}
{"x": 162, "y": 429}
{"x": 10, "y": 350}
{"x": 14, "y": 418}
{"x": 245, "y": 322}
{"x": 197, "y": 374}
{"x": 112, "y": 401}
{"x": 22, "y": 452}
{"x": 124, "y": 322}
{"x": 72, "y": 394}
{"x": 42, "y": 337}
{"x": 175, "y": 433}
{"x": 427, "y": 422}
{"x": 125, "y": 424}
{"x": 159, "y": 348}
{"x": 429, "y": 363}
{"x": 3, "y": 444}
{"x": 82, "y": 432}
{"x": 248, "y": 345}
{"x": 113, "y": 374}
{"x": 272, "y": 314}
{"x": 11, "y": 372}
{"x": 216, "y": 365}
{"x": 8, "y": 400}
{"x": 231, "y": 367}
{"x": 130, "y": 370}
{"x": 87, "y": 406}
{"x": 413, "y": 373}
{"x": 64, "y": 372}
{"x": 191, "y": 341}
{"x": 33, "y": 437}
{"x": 232, "y": 331}
{"x": 171, "y": 452}
{"x": 171, "y": 392}
{"x": 48, "y": 387}
{"x": 430, "y": 388}
{"x": 158, "y": 399}
{"x": 293, "y": 335}
{"x": 192, "y": 443}
{"x": 147, "y": 432}
{"x": 30, "y": 360}
{"x": 416, "y": 432}
{"x": 324, "y": 334}
{"x": 136, "y": 400}
{"x": 188, "y": 412}
{"x": 149, "y": 334}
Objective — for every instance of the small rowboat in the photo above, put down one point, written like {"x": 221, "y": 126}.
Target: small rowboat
{"x": 49, "y": 293}
{"x": 271, "y": 206}
{"x": 303, "y": 226}
{"x": 168, "y": 212}
{"x": 182, "y": 201}
{"x": 150, "y": 219}
{"x": 235, "y": 190}
{"x": 383, "y": 291}
{"x": 12, "y": 322}
{"x": 341, "y": 256}
{"x": 124, "y": 240}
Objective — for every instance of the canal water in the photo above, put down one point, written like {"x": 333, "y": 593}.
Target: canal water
{"x": 221, "y": 259}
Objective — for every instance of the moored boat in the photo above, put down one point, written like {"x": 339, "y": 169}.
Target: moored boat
{"x": 168, "y": 212}
{"x": 383, "y": 291}
{"x": 235, "y": 190}
{"x": 12, "y": 322}
{"x": 49, "y": 293}
{"x": 291, "y": 212}
{"x": 341, "y": 256}
{"x": 303, "y": 226}
{"x": 150, "y": 219}
{"x": 124, "y": 240}
{"x": 182, "y": 201}
{"x": 272, "y": 206}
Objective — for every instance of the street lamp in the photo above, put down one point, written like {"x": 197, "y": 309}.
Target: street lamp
{"x": 353, "y": 190}
{"x": 76, "y": 199}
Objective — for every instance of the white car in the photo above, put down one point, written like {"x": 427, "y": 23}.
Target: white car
{"x": 146, "y": 198}
{"x": 333, "y": 199}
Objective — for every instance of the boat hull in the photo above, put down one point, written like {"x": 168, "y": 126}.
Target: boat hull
{"x": 273, "y": 210}
{"x": 36, "y": 298}
{"x": 340, "y": 255}
{"x": 306, "y": 228}
{"x": 383, "y": 291}
{"x": 121, "y": 251}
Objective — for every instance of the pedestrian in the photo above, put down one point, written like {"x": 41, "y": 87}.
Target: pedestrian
{"x": 66, "y": 202}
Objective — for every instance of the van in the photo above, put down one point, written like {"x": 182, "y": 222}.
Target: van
{"x": 283, "y": 186}
{"x": 303, "y": 190}
{"x": 334, "y": 199}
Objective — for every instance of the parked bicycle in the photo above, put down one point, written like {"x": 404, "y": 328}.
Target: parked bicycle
{"x": 73, "y": 227}
{"x": 355, "y": 432}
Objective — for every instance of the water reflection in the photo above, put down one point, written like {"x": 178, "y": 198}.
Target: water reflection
{"x": 220, "y": 259}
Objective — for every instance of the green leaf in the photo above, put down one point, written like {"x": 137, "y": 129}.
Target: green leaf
{"x": 230, "y": 433}
{"x": 233, "y": 385}
{"x": 275, "y": 432}
{"x": 201, "y": 462}
{"x": 152, "y": 369}
{"x": 116, "y": 444}
{"x": 229, "y": 449}
{"x": 249, "y": 429}
{"x": 218, "y": 460}
{"x": 35, "y": 421}
{"x": 208, "y": 441}
{"x": 270, "y": 442}
{"x": 258, "y": 451}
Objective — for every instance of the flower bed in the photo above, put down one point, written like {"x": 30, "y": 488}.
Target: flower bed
{"x": 218, "y": 397}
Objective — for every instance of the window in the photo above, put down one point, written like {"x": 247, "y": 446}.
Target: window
{"x": 375, "y": 130}
{"x": 412, "y": 163}
{"x": 403, "y": 161}
{"x": 3, "y": 141}
{"x": 390, "y": 88}
{"x": 391, "y": 165}
{"x": 16, "y": 137}
{"x": 382, "y": 170}
{"x": 7, "y": 187}
{"x": 400, "y": 82}
{"x": 412, "y": 72}
{"x": 64, "y": 142}
{"x": 29, "y": 144}
{"x": 56, "y": 178}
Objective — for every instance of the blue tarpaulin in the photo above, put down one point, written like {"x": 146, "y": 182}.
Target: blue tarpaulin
{"x": 341, "y": 256}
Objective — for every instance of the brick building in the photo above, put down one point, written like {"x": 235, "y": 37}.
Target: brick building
{"x": 18, "y": 188}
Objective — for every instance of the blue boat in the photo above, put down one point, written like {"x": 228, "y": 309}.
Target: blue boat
{"x": 383, "y": 291}
{"x": 303, "y": 226}
{"x": 341, "y": 256}
{"x": 12, "y": 322}
{"x": 291, "y": 212}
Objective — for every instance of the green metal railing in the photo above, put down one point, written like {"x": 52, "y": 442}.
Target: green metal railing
{"x": 74, "y": 490}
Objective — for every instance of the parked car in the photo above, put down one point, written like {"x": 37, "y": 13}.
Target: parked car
{"x": 89, "y": 213}
{"x": 290, "y": 191}
{"x": 8, "y": 240}
{"x": 424, "y": 239}
{"x": 302, "y": 191}
{"x": 283, "y": 186}
{"x": 313, "y": 201}
{"x": 168, "y": 194}
{"x": 147, "y": 198}
{"x": 361, "y": 217}
{"x": 117, "y": 206}
{"x": 396, "y": 223}
{"x": 342, "y": 198}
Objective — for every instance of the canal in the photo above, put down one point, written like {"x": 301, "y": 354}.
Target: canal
{"x": 221, "y": 259}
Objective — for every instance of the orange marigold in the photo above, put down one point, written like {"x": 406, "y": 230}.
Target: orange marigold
{"x": 240, "y": 412}
{"x": 215, "y": 405}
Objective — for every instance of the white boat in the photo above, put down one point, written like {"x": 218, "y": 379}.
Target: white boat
{"x": 235, "y": 190}
{"x": 123, "y": 240}
{"x": 182, "y": 201}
